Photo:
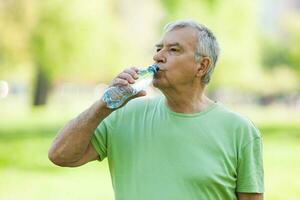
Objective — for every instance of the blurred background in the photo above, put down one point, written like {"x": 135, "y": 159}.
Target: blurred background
{"x": 57, "y": 56}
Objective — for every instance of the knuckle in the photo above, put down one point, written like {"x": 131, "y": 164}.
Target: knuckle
{"x": 132, "y": 70}
{"x": 118, "y": 80}
{"x": 135, "y": 69}
{"x": 127, "y": 70}
{"x": 129, "y": 77}
{"x": 121, "y": 74}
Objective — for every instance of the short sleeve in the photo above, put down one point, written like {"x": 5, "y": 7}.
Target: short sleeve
{"x": 99, "y": 140}
{"x": 250, "y": 172}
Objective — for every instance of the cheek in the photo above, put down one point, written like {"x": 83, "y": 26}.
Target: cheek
{"x": 181, "y": 74}
{"x": 181, "y": 71}
{"x": 174, "y": 77}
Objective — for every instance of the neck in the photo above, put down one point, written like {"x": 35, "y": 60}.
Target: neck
{"x": 187, "y": 100}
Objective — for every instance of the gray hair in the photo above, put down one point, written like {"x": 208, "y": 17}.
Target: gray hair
{"x": 207, "y": 44}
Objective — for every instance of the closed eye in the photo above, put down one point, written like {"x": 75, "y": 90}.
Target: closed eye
{"x": 174, "y": 49}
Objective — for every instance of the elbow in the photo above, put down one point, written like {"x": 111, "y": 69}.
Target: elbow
{"x": 58, "y": 160}
{"x": 55, "y": 158}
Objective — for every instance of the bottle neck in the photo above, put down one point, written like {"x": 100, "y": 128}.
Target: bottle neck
{"x": 152, "y": 68}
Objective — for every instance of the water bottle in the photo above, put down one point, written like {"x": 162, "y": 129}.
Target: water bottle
{"x": 115, "y": 96}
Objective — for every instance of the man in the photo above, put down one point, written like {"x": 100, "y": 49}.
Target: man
{"x": 179, "y": 146}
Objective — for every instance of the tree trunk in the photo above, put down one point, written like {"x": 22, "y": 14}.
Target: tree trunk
{"x": 41, "y": 88}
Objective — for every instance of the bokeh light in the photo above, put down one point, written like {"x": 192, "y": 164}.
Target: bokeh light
{"x": 4, "y": 89}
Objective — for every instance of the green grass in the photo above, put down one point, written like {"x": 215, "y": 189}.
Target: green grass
{"x": 27, "y": 174}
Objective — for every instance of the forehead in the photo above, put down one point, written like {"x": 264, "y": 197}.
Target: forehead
{"x": 185, "y": 37}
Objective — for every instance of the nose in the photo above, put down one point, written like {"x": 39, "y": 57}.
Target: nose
{"x": 159, "y": 57}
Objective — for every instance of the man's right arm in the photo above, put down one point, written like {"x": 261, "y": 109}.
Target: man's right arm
{"x": 72, "y": 147}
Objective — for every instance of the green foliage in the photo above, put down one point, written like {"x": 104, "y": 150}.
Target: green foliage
{"x": 171, "y": 6}
{"x": 283, "y": 48}
{"x": 73, "y": 40}
{"x": 276, "y": 53}
{"x": 51, "y": 38}
{"x": 66, "y": 39}
{"x": 13, "y": 37}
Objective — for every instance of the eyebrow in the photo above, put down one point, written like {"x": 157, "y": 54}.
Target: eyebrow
{"x": 168, "y": 45}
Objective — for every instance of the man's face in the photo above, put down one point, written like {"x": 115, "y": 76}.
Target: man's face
{"x": 175, "y": 55}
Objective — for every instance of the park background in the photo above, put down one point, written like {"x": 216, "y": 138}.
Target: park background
{"x": 57, "y": 57}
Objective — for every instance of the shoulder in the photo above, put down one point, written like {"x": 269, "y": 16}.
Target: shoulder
{"x": 228, "y": 114}
{"x": 237, "y": 122}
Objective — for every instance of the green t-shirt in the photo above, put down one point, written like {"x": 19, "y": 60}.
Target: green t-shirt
{"x": 157, "y": 154}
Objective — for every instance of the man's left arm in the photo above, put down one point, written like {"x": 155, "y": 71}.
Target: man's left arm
{"x": 250, "y": 196}
{"x": 250, "y": 178}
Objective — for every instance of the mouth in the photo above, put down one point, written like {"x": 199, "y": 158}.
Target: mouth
{"x": 158, "y": 74}
{"x": 160, "y": 68}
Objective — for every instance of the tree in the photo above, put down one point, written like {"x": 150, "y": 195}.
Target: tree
{"x": 52, "y": 45}
{"x": 60, "y": 39}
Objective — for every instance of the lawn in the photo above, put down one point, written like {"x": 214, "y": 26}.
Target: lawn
{"x": 26, "y": 173}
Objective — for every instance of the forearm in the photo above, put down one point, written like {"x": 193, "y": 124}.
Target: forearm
{"x": 73, "y": 139}
{"x": 250, "y": 196}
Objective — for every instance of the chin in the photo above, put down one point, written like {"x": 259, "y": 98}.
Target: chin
{"x": 157, "y": 83}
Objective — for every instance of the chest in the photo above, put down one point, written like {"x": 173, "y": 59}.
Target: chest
{"x": 182, "y": 148}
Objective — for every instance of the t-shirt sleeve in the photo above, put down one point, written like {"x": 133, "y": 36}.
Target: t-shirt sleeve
{"x": 102, "y": 137}
{"x": 250, "y": 173}
{"x": 99, "y": 140}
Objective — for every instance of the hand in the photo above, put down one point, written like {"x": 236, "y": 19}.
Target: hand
{"x": 128, "y": 76}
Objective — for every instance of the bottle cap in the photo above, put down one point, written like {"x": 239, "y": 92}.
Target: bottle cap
{"x": 154, "y": 68}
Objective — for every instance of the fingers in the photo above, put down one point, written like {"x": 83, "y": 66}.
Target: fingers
{"x": 133, "y": 71}
{"x": 119, "y": 81}
{"x": 139, "y": 94}
{"x": 126, "y": 77}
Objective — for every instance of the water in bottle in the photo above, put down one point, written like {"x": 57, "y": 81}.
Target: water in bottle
{"x": 115, "y": 96}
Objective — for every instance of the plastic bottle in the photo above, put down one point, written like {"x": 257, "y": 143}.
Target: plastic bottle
{"x": 115, "y": 96}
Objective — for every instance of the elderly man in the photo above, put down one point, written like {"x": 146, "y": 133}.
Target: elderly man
{"x": 181, "y": 145}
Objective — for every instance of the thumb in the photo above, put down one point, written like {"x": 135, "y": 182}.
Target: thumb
{"x": 139, "y": 94}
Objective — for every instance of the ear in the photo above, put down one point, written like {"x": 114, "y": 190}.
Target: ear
{"x": 202, "y": 66}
